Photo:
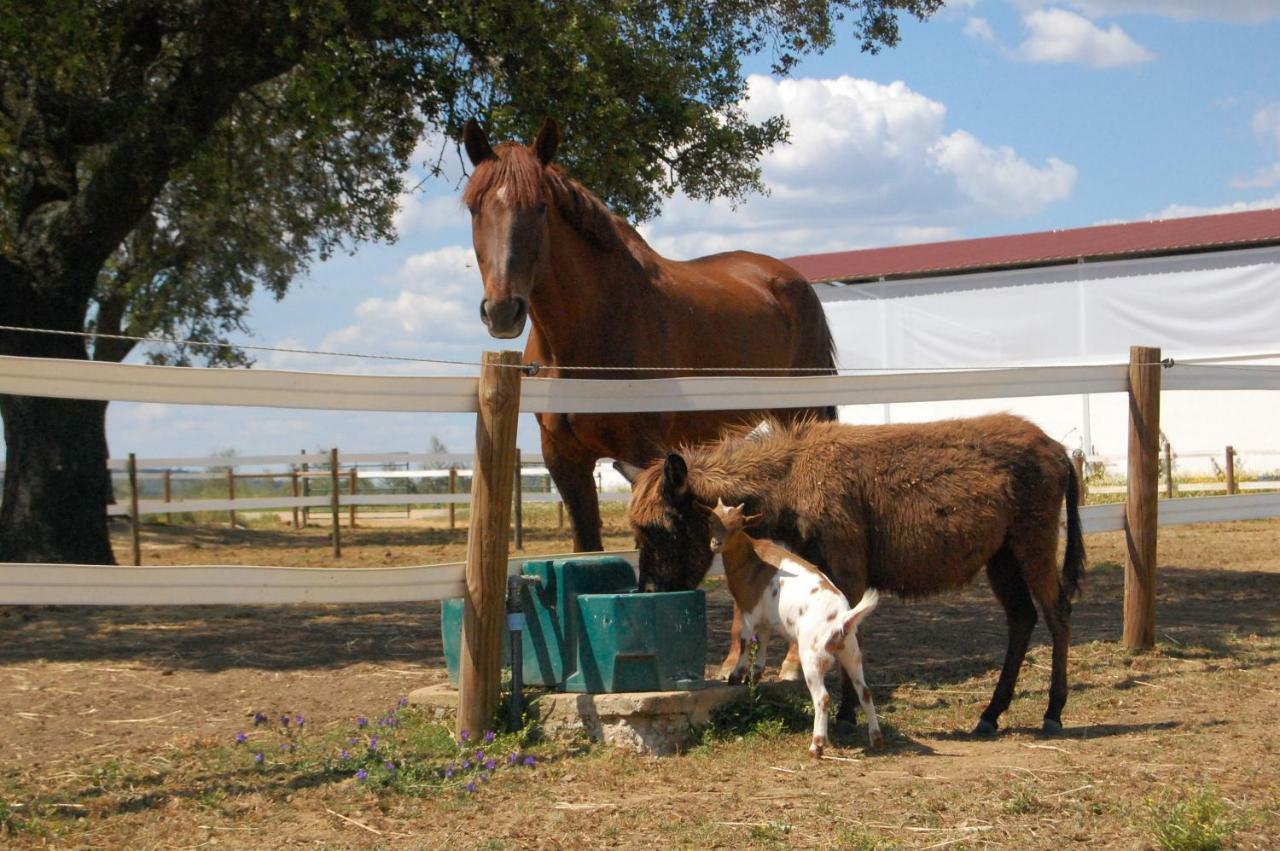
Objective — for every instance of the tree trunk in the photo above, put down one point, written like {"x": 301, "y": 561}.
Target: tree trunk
{"x": 54, "y": 507}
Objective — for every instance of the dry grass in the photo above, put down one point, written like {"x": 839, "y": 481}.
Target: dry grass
{"x": 121, "y": 725}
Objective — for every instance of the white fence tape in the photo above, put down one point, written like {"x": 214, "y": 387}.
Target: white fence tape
{"x": 100, "y": 585}
{"x": 284, "y": 503}
{"x": 61, "y": 584}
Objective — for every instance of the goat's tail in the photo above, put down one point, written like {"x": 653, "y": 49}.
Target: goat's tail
{"x": 849, "y": 622}
{"x": 1073, "y": 561}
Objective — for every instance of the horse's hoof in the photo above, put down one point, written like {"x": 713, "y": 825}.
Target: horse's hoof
{"x": 877, "y": 739}
{"x": 734, "y": 678}
{"x": 726, "y": 671}
{"x": 985, "y": 729}
{"x": 791, "y": 673}
{"x": 1052, "y": 727}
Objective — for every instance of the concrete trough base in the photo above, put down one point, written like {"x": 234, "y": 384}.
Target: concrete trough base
{"x": 650, "y": 722}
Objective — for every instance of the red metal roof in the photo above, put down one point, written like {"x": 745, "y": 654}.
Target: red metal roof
{"x": 1047, "y": 248}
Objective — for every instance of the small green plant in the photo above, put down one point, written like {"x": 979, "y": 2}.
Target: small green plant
{"x": 857, "y": 839}
{"x": 1023, "y": 801}
{"x": 1195, "y": 822}
{"x": 774, "y": 834}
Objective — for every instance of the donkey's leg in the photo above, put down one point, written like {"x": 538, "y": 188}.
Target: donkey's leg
{"x": 1046, "y": 588}
{"x": 574, "y": 475}
{"x": 1010, "y": 589}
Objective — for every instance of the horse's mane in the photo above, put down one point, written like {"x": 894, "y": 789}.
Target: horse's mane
{"x": 527, "y": 181}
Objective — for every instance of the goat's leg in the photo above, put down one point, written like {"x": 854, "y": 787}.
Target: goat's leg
{"x": 763, "y": 631}
{"x": 851, "y": 662}
{"x": 813, "y": 678}
{"x": 730, "y": 664}
{"x": 791, "y": 669}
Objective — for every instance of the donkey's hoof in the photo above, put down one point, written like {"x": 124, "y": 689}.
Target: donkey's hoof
{"x": 726, "y": 671}
{"x": 985, "y": 729}
{"x": 1051, "y": 727}
{"x": 736, "y": 678}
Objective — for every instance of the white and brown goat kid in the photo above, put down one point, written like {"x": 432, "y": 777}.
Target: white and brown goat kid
{"x": 776, "y": 589}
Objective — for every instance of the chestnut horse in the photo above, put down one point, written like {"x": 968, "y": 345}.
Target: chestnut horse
{"x": 600, "y": 297}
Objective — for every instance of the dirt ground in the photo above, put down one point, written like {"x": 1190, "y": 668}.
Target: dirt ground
{"x": 118, "y": 721}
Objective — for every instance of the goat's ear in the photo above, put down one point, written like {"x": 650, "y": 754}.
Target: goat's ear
{"x": 703, "y": 507}
{"x": 675, "y": 478}
{"x": 547, "y": 141}
{"x": 476, "y": 143}
{"x": 752, "y": 519}
{"x": 630, "y": 472}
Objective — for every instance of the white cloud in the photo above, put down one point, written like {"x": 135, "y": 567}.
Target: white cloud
{"x": 1181, "y": 211}
{"x": 417, "y": 213}
{"x": 1266, "y": 122}
{"x": 868, "y": 164}
{"x": 1060, "y": 36}
{"x": 1263, "y": 178}
{"x": 1244, "y": 11}
{"x": 452, "y": 267}
{"x": 979, "y": 29}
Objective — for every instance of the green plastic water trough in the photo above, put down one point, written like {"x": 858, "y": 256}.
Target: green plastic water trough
{"x": 588, "y": 631}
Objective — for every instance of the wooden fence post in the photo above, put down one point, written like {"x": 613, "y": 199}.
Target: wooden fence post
{"x": 1077, "y": 459}
{"x": 1168, "y": 470}
{"x": 293, "y": 476}
{"x": 518, "y": 498}
{"x": 306, "y": 491}
{"x": 231, "y": 492}
{"x": 135, "y": 541}
{"x": 480, "y": 659}
{"x": 353, "y": 487}
{"x": 168, "y": 492}
{"x": 453, "y": 488}
{"x": 1141, "y": 508}
{"x": 333, "y": 501}
{"x": 1231, "y": 471}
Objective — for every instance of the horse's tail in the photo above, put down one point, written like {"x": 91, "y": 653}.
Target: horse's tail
{"x": 1074, "y": 560}
{"x": 828, "y": 414}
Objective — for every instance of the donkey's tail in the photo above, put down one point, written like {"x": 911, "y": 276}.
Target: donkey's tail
{"x": 1074, "y": 560}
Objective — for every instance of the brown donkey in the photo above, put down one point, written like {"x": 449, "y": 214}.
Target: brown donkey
{"x": 909, "y": 509}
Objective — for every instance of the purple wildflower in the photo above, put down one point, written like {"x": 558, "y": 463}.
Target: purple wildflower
{"x": 258, "y": 758}
{"x": 299, "y": 720}
{"x": 284, "y": 720}
{"x": 241, "y": 738}
{"x": 466, "y": 764}
{"x": 403, "y": 701}
{"x": 259, "y": 718}
{"x": 391, "y": 766}
{"x": 484, "y": 777}
{"x": 465, "y": 735}
{"x": 479, "y": 756}
{"x": 489, "y": 736}
{"x": 353, "y": 741}
{"x": 345, "y": 755}
{"x": 530, "y": 761}
{"x": 513, "y": 757}
{"x": 362, "y": 775}
{"x": 490, "y": 764}
{"x": 373, "y": 743}
{"x": 448, "y": 772}
{"x": 362, "y": 722}
{"x": 470, "y": 787}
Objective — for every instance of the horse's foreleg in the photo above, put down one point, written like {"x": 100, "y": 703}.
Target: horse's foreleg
{"x": 574, "y": 476}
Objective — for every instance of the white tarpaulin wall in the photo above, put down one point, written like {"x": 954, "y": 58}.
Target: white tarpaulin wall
{"x": 1191, "y": 306}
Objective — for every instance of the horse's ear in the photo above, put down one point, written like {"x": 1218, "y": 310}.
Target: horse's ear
{"x": 476, "y": 143}
{"x": 630, "y": 472}
{"x": 675, "y": 478}
{"x": 547, "y": 141}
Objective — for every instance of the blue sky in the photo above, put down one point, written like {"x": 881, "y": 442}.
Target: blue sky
{"x": 997, "y": 116}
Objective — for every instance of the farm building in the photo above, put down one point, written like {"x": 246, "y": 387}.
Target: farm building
{"x": 1196, "y": 287}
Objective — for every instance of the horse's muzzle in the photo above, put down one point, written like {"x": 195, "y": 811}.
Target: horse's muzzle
{"x": 504, "y": 319}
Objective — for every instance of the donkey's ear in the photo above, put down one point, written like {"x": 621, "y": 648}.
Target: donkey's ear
{"x": 675, "y": 478}
{"x": 547, "y": 141}
{"x": 630, "y": 472}
{"x": 476, "y": 143}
